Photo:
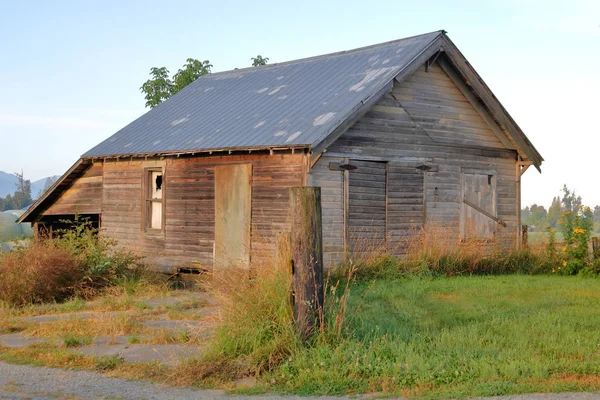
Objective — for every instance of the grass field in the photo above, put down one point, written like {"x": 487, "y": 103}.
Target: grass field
{"x": 455, "y": 337}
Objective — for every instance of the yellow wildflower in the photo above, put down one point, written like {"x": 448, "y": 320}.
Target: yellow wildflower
{"x": 553, "y": 230}
{"x": 567, "y": 213}
{"x": 564, "y": 263}
{"x": 553, "y": 270}
{"x": 579, "y": 230}
{"x": 564, "y": 249}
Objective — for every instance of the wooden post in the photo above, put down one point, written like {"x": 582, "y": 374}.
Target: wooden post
{"x": 307, "y": 259}
{"x": 596, "y": 248}
{"x": 524, "y": 236}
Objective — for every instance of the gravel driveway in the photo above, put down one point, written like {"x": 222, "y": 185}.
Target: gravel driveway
{"x": 25, "y": 382}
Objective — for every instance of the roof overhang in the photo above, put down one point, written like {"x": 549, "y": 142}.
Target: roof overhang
{"x": 55, "y": 191}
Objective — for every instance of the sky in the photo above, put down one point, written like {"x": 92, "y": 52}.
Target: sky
{"x": 70, "y": 71}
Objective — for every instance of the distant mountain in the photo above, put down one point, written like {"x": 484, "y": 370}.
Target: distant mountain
{"x": 8, "y": 184}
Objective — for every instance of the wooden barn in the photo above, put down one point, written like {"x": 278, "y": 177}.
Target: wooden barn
{"x": 398, "y": 135}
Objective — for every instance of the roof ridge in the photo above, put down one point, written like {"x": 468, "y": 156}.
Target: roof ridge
{"x": 312, "y": 58}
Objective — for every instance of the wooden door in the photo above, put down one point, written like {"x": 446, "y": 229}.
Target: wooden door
{"x": 405, "y": 206}
{"x": 233, "y": 191}
{"x": 478, "y": 207}
{"x": 366, "y": 206}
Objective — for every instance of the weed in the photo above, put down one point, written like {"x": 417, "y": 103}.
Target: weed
{"x": 133, "y": 339}
{"x": 108, "y": 363}
{"x": 71, "y": 340}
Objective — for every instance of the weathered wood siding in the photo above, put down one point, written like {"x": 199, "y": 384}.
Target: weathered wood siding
{"x": 189, "y": 234}
{"x": 405, "y": 205}
{"x": 332, "y": 207}
{"x": 366, "y": 206}
{"x": 427, "y": 121}
{"x": 83, "y": 197}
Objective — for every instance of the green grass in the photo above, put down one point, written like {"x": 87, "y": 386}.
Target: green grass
{"x": 450, "y": 337}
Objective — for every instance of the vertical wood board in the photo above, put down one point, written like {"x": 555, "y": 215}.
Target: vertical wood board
{"x": 233, "y": 201}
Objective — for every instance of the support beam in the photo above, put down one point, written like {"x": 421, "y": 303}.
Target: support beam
{"x": 307, "y": 259}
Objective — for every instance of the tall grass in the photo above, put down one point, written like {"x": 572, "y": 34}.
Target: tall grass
{"x": 78, "y": 262}
{"x": 436, "y": 251}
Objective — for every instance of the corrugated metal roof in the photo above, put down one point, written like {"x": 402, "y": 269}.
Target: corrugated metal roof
{"x": 289, "y": 104}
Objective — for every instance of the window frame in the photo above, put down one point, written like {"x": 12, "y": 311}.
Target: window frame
{"x": 148, "y": 200}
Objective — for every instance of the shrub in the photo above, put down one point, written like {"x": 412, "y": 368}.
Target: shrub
{"x": 104, "y": 264}
{"x": 577, "y": 230}
{"x": 78, "y": 262}
{"x": 40, "y": 273}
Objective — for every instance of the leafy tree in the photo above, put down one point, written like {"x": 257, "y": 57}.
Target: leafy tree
{"x": 259, "y": 60}
{"x": 596, "y": 213}
{"x": 22, "y": 197}
{"x": 160, "y": 87}
{"x": 7, "y": 203}
{"x": 570, "y": 201}
{"x": 539, "y": 217}
{"x": 47, "y": 185}
{"x": 526, "y": 216}
{"x": 554, "y": 212}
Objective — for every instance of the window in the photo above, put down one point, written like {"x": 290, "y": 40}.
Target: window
{"x": 154, "y": 199}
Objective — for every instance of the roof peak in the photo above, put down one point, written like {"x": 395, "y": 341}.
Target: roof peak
{"x": 326, "y": 55}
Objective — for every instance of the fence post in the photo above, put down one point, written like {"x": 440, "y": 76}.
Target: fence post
{"x": 524, "y": 236}
{"x": 307, "y": 259}
{"x": 596, "y": 248}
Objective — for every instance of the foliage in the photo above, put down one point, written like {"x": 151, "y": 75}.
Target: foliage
{"x": 160, "y": 86}
{"x": 577, "y": 228}
{"x": 40, "y": 273}
{"x": 21, "y": 198}
{"x": 259, "y": 60}
{"x": 78, "y": 262}
{"x": 534, "y": 216}
{"x": 255, "y": 332}
{"x": 554, "y": 212}
{"x": 102, "y": 262}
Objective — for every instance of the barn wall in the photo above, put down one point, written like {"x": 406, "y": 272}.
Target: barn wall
{"x": 427, "y": 121}
{"x": 332, "y": 207}
{"x": 188, "y": 237}
{"x": 83, "y": 197}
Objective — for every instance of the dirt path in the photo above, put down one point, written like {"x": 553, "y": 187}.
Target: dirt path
{"x": 25, "y": 382}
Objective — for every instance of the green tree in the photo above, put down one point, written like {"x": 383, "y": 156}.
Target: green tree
{"x": 160, "y": 86}
{"x": 539, "y": 217}
{"x": 7, "y": 203}
{"x": 596, "y": 213}
{"x": 570, "y": 201}
{"x": 554, "y": 212}
{"x": 47, "y": 185}
{"x": 259, "y": 60}
{"x": 22, "y": 197}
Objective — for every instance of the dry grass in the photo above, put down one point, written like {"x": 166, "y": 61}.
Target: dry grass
{"x": 106, "y": 325}
{"x": 37, "y": 274}
{"x": 437, "y": 250}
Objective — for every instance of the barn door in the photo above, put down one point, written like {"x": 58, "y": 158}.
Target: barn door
{"x": 232, "y": 216}
{"x": 405, "y": 206}
{"x": 366, "y": 205}
{"x": 478, "y": 207}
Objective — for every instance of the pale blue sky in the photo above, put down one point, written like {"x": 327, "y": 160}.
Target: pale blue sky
{"x": 71, "y": 70}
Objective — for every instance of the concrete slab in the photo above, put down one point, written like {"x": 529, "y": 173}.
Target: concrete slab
{"x": 169, "y": 354}
{"x": 16, "y": 340}
{"x": 176, "y": 324}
